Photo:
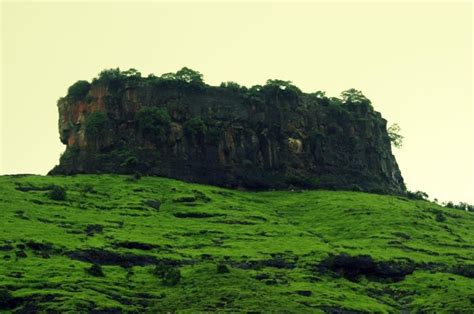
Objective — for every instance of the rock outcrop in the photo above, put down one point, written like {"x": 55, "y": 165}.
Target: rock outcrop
{"x": 271, "y": 136}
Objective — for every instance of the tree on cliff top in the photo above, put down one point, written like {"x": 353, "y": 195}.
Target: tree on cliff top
{"x": 354, "y": 96}
{"x": 132, "y": 73}
{"x": 355, "y": 99}
{"x": 108, "y": 75}
{"x": 115, "y": 78}
{"x": 233, "y": 86}
{"x": 115, "y": 74}
{"x": 275, "y": 89}
{"x": 186, "y": 75}
{"x": 78, "y": 90}
{"x": 283, "y": 85}
{"x": 394, "y": 135}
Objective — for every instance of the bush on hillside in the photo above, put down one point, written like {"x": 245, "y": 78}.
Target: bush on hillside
{"x": 5, "y": 298}
{"x": 95, "y": 270}
{"x": 418, "y": 195}
{"x": 57, "y": 193}
{"x": 170, "y": 275}
{"x": 222, "y": 268}
{"x": 461, "y": 205}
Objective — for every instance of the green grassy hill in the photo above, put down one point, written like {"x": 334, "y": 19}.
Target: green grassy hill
{"x": 116, "y": 244}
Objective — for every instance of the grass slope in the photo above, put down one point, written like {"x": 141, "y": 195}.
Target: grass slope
{"x": 311, "y": 251}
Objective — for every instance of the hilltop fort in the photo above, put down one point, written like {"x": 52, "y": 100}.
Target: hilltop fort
{"x": 262, "y": 137}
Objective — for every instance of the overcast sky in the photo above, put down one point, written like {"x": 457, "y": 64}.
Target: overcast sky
{"x": 414, "y": 61}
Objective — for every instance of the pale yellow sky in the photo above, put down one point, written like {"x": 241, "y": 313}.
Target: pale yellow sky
{"x": 414, "y": 61}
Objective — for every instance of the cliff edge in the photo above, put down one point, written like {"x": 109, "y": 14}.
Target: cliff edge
{"x": 263, "y": 137}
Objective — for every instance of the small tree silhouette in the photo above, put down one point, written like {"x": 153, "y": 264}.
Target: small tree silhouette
{"x": 394, "y": 134}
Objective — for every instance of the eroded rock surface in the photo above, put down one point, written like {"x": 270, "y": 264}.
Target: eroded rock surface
{"x": 258, "y": 138}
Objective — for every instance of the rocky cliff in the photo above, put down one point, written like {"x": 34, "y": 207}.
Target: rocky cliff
{"x": 270, "y": 136}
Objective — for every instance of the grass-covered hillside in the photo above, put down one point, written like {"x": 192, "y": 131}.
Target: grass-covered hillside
{"x": 116, "y": 244}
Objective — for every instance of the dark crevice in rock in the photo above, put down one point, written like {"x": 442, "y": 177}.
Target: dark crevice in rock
{"x": 136, "y": 245}
{"x": 105, "y": 257}
{"x": 353, "y": 267}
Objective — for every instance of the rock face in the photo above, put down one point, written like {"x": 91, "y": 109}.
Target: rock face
{"x": 271, "y": 136}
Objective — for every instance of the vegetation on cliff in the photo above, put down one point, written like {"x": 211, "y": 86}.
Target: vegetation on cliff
{"x": 111, "y": 243}
{"x": 261, "y": 137}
